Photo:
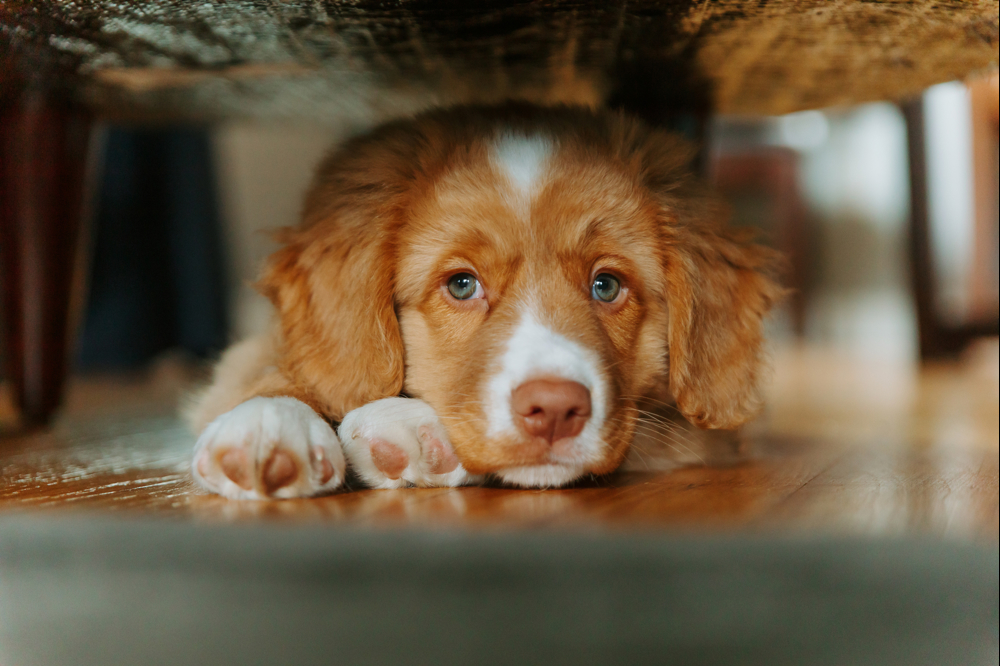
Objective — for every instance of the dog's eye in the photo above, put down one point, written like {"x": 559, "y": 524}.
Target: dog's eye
{"x": 606, "y": 288}
{"x": 463, "y": 286}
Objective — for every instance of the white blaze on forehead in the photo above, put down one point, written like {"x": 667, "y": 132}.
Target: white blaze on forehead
{"x": 535, "y": 351}
{"x": 522, "y": 161}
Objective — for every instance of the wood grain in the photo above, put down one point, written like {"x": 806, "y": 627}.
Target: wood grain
{"x": 925, "y": 464}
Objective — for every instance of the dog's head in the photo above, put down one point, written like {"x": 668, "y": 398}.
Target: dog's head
{"x": 530, "y": 273}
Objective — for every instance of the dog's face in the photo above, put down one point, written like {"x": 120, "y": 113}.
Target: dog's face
{"x": 529, "y": 278}
{"x": 532, "y": 307}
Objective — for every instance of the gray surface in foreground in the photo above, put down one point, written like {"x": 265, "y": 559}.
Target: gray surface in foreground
{"x": 97, "y": 591}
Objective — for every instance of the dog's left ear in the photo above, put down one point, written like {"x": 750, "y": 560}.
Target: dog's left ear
{"x": 720, "y": 288}
{"x": 719, "y": 284}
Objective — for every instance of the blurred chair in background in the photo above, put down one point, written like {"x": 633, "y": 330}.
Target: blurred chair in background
{"x": 157, "y": 275}
{"x": 762, "y": 185}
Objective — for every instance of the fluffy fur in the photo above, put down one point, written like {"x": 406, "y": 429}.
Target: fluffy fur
{"x": 534, "y": 202}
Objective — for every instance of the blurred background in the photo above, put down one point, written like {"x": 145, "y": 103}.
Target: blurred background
{"x": 183, "y": 215}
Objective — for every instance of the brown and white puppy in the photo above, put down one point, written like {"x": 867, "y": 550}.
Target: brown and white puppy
{"x": 523, "y": 276}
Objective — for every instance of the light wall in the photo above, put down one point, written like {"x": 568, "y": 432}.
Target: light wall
{"x": 264, "y": 171}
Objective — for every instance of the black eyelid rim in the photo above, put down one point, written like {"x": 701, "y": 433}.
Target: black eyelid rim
{"x": 616, "y": 276}
{"x": 450, "y": 273}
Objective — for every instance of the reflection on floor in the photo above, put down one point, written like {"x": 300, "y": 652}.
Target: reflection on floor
{"x": 847, "y": 444}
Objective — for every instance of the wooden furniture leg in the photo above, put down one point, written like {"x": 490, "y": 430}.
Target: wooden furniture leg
{"x": 938, "y": 339}
{"x": 43, "y": 149}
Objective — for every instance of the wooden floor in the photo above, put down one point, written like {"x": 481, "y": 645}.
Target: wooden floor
{"x": 848, "y": 445}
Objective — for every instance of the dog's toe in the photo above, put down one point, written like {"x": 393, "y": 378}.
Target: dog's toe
{"x": 388, "y": 458}
{"x": 396, "y": 442}
{"x": 235, "y": 464}
{"x": 269, "y": 447}
{"x": 439, "y": 457}
{"x": 280, "y": 470}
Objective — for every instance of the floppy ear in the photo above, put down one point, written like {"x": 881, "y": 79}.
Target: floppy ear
{"x": 720, "y": 288}
{"x": 333, "y": 283}
{"x": 333, "y": 290}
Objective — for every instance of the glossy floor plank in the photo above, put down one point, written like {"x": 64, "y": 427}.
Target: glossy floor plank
{"x": 844, "y": 447}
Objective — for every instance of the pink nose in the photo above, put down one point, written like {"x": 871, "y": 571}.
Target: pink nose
{"x": 551, "y": 408}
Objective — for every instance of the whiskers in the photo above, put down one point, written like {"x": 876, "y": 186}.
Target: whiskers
{"x": 640, "y": 399}
{"x": 662, "y": 431}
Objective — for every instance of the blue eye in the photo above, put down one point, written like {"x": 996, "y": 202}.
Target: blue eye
{"x": 463, "y": 286}
{"x": 605, "y": 288}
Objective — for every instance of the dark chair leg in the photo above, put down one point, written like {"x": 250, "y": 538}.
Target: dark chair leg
{"x": 43, "y": 150}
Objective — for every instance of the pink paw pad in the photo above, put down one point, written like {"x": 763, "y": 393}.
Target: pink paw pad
{"x": 389, "y": 458}
{"x": 280, "y": 470}
{"x": 269, "y": 448}
{"x": 400, "y": 442}
{"x": 322, "y": 462}
{"x": 236, "y": 466}
{"x": 438, "y": 456}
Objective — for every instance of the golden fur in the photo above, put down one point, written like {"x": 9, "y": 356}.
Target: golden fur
{"x": 391, "y": 215}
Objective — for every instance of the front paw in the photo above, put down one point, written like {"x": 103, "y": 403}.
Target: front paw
{"x": 269, "y": 447}
{"x": 398, "y": 442}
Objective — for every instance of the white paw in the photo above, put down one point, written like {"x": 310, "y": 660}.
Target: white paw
{"x": 398, "y": 442}
{"x": 269, "y": 447}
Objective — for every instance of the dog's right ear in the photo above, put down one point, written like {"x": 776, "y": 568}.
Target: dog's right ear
{"x": 333, "y": 282}
{"x": 334, "y": 295}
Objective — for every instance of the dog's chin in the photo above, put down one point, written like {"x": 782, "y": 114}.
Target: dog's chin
{"x": 541, "y": 476}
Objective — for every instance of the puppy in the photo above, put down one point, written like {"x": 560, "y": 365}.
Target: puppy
{"x": 488, "y": 292}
